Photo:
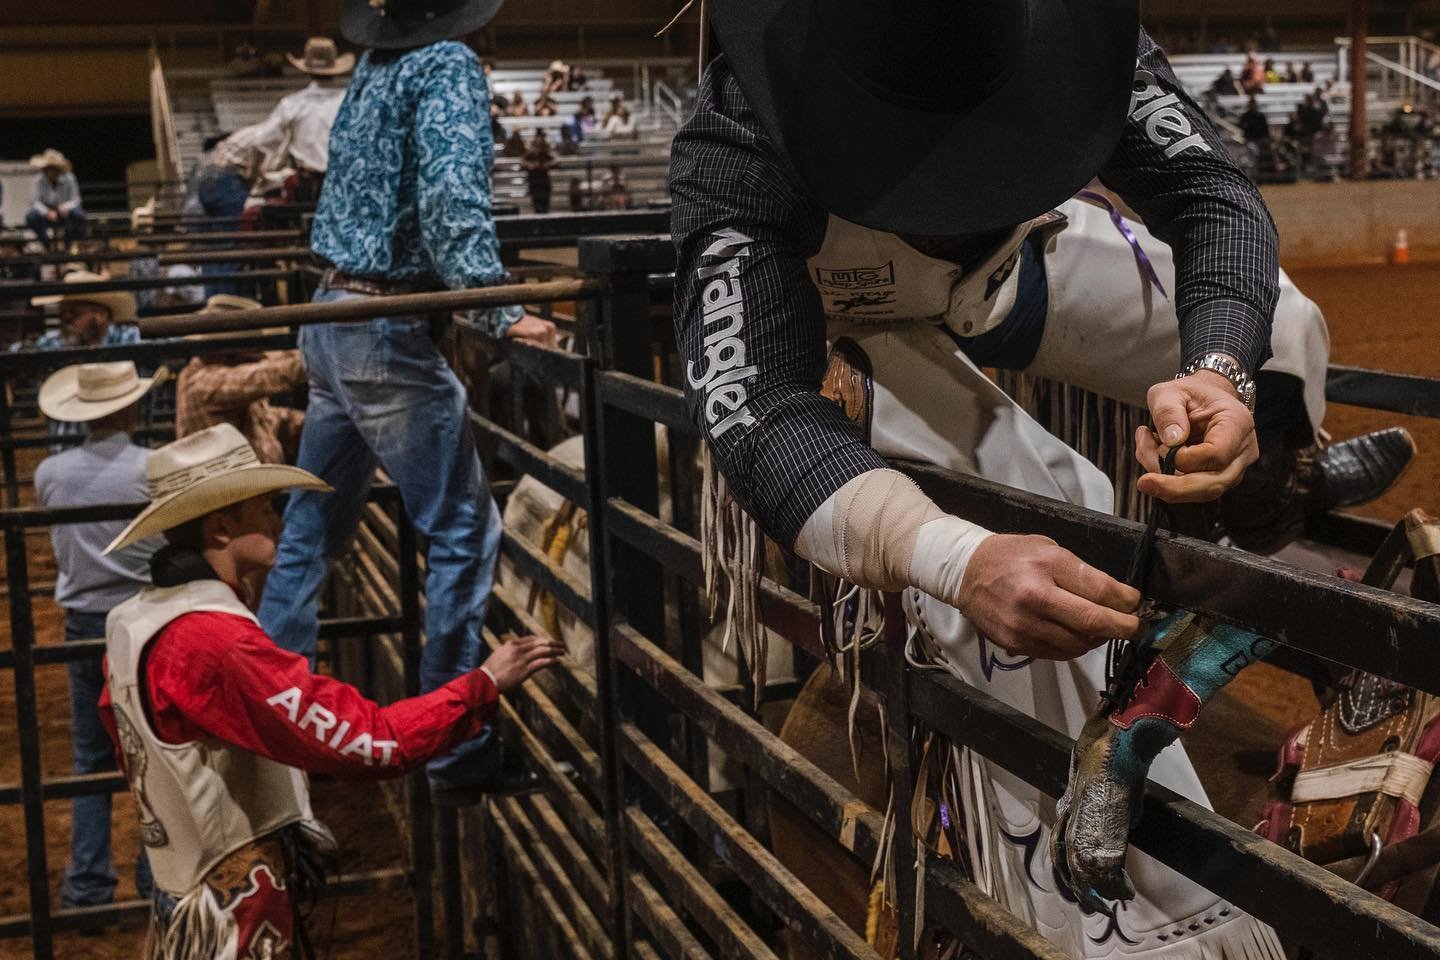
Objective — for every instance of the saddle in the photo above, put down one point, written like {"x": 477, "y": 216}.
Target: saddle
{"x": 1353, "y": 780}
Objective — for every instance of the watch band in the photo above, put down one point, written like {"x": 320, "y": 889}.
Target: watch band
{"x": 1228, "y": 368}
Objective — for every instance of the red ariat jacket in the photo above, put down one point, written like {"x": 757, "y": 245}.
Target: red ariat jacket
{"x": 218, "y": 675}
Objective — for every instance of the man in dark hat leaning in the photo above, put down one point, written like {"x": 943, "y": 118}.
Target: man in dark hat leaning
{"x": 798, "y": 219}
{"x": 405, "y": 208}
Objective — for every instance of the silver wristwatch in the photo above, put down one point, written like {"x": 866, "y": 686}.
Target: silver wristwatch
{"x": 1243, "y": 383}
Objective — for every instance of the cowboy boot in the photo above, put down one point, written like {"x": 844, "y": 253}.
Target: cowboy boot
{"x": 1270, "y": 505}
{"x": 1113, "y": 753}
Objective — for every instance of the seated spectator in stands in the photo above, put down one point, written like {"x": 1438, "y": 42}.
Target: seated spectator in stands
{"x": 556, "y": 78}
{"x": 1291, "y": 74}
{"x": 236, "y": 386}
{"x": 106, "y": 468}
{"x": 567, "y": 147}
{"x": 488, "y": 66}
{"x": 1311, "y": 113}
{"x": 246, "y": 62}
{"x": 537, "y": 164}
{"x": 575, "y": 79}
{"x": 518, "y": 106}
{"x": 1253, "y": 123}
{"x": 546, "y": 106}
{"x": 1272, "y": 75}
{"x": 1252, "y": 76}
{"x": 56, "y": 202}
{"x": 585, "y": 115}
{"x": 1225, "y": 85}
{"x": 1307, "y": 75}
{"x": 515, "y": 145}
{"x": 614, "y": 188}
{"x": 618, "y": 125}
{"x": 577, "y": 195}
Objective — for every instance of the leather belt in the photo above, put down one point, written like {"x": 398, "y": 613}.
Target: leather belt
{"x": 378, "y": 286}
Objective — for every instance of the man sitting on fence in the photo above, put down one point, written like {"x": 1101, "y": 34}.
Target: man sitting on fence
{"x": 215, "y": 723}
{"x": 235, "y": 387}
{"x": 406, "y": 208}
{"x": 87, "y": 319}
{"x": 57, "y": 204}
{"x": 106, "y": 468}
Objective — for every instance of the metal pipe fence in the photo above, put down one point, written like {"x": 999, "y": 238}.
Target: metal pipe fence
{"x": 650, "y": 792}
{"x": 627, "y": 852}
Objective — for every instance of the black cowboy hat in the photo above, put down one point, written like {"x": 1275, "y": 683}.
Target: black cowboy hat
{"x": 936, "y": 117}
{"x": 400, "y": 24}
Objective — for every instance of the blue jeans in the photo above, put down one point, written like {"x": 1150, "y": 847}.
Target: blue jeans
{"x": 221, "y": 192}
{"x": 89, "y": 877}
{"x": 381, "y": 393}
{"x": 72, "y": 224}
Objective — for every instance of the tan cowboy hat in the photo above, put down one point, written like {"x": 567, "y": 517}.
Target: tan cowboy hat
{"x": 557, "y": 66}
{"x": 204, "y": 472}
{"x": 121, "y": 303}
{"x": 50, "y": 157}
{"x": 89, "y": 391}
{"x": 223, "y": 302}
{"x": 322, "y": 59}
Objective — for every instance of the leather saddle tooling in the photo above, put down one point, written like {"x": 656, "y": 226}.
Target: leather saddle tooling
{"x": 1354, "y": 780}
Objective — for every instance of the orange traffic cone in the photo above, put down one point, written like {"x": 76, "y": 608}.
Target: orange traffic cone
{"x": 1400, "y": 252}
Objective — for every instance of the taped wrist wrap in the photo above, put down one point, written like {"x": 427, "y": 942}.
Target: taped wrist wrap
{"x": 881, "y": 532}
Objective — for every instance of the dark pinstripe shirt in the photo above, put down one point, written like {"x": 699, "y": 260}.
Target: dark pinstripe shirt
{"x": 749, "y": 320}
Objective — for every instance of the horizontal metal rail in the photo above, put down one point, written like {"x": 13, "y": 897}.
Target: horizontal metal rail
{"x": 229, "y": 236}
{"x": 368, "y": 308}
{"x": 81, "y": 288}
{"x": 1318, "y": 614}
{"x": 146, "y": 352}
{"x": 1380, "y": 390}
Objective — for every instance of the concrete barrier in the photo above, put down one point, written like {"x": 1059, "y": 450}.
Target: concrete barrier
{"x": 1354, "y": 221}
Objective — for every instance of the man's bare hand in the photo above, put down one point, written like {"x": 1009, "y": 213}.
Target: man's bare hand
{"x": 1033, "y": 598}
{"x": 515, "y": 661}
{"x": 537, "y": 330}
{"x": 1203, "y": 407}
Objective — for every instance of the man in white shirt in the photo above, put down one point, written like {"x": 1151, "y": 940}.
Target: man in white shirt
{"x": 296, "y": 135}
{"x": 107, "y": 468}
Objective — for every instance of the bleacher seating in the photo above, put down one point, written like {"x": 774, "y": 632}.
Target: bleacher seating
{"x": 234, "y": 102}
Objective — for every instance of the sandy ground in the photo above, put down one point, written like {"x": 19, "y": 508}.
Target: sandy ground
{"x": 1379, "y": 317}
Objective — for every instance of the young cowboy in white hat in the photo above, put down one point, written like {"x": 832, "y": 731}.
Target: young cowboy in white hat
{"x": 106, "y": 468}
{"x": 57, "y": 198}
{"x": 236, "y": 387}
{"x": 215, "y": 722}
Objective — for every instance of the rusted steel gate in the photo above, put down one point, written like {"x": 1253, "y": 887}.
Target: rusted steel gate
{"x": 629, "y": 855}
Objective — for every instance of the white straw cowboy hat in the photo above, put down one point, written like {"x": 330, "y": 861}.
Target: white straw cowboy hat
{"x": 204, "y": 472}
{"x": 89, "y": 391}
{"x": 121, "y": 303}
{"x": 50, "y": 157}
{"x": 322, "y": 59}
{"x": 224, "y": 302}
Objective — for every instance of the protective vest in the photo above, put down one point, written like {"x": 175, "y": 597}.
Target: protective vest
{"x": 867, "y": 276}
{"x": 198, "y": 801}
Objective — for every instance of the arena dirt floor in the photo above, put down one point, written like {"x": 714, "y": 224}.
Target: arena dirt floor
{"x": 1380, "y": 317}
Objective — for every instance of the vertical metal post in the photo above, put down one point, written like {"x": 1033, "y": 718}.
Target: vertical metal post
{"x": 1359, "y": 167}
{"x": 452, "y": 902}
{"x": 422, "y": 842}
{"x": 893, "y": 683}
{"x": 7, "y": 447}
{"x": 613, "y": 790}
{"x": 27, "y": 724}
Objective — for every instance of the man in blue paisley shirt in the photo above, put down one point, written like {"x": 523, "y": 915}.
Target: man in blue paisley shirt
{"x": 405, "y": 208}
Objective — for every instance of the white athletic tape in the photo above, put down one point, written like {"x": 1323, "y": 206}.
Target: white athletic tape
{"x": 880, "y": 531}
{"x": 1401, "y": 775}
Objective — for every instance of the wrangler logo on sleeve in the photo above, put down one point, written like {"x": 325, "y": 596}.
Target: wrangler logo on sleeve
{"x": 1162, "y": 116}
{"x": 721, "y": 379}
